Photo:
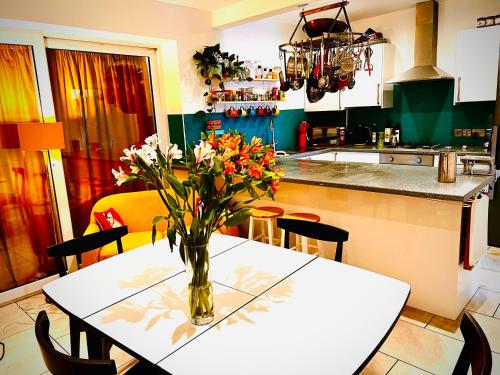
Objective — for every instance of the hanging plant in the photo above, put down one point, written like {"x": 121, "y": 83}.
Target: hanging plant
{"x": 212, "y": 63}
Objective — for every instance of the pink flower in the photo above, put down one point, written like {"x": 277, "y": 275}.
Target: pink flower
{"x": 203, "y": 151}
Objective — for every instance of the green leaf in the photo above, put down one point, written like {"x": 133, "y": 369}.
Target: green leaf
{"x": 238, "y": 217}
{"x": 195, "y": 228}
{"x": 171, "y": 237}
{"x": 176, "y": 186}
{"x": 250, "y": 189}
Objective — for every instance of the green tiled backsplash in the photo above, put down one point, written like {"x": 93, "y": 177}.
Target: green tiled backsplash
{"x": 425, "y": 111}
{"x": 285, "y": 127}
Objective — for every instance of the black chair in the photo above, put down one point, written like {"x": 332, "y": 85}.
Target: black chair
{"x": 76, "y": 247}
{"x": 476, "y": 352}
{"x": 317, "y": 231}
{"x": 62, "y": 364}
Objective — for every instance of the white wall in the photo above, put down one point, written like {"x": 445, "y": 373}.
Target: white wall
{"x": 454, "y": 15}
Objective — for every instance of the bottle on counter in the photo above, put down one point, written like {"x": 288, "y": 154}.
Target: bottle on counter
{"x": 374, "y": 134}
{"x": 397, "y": 132}
{"x": 387, "y": 133}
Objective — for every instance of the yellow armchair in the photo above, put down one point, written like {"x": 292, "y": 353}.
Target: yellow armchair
{"x": 137, "y": 210}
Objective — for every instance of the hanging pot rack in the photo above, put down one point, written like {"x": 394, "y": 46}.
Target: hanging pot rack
{"x": 328, "y": 38}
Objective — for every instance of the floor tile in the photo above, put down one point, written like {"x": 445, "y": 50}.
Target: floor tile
{"x": 484, "y": 301}
{"x": 489, "y": 280}
{"x": 446, "y": 327}
{"x": 494, "y": 250}
{"x": 497, "y": 313}
{"x": 379, "y": 365}
{"x": 13, "y": 320}
{"x": 491, "y": 328}
{"x": 415, "y": 316}
{"x": 59, "y": 321}
{"x": 121, "y": 358}
{"x": 422, "y": 348}
{"x": 490, "y": 261}
{"x": 22, "y": 355}
{"x": 496, "y": 363}
{"x": 401, "y": 368}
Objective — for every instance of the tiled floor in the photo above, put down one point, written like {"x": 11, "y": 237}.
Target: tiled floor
{"x": 421, "y": 343}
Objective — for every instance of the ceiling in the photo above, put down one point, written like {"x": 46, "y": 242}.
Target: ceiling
{"x": 279, "y": 11}
{"x": 357, "y": 9}
{"x": 200, "y": 4}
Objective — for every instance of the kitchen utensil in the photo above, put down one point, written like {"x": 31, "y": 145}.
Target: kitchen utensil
{"x": 268, "y": 111}
{"x": 447, "y": 167}
{"x": 318, "y": 26}
{"x": 251, "y": 112}
{"x": 276, "y": 110}
{"x": 242, "y": 112}
{"x": 284, "y": 83}
{"x": 260, "y": 111}
{"x": 368, "y": 66}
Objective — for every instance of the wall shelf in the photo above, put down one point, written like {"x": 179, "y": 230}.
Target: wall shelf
{"x": 248, "y": 102}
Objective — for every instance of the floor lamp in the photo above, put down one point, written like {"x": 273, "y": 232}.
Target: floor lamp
{"x": 44, "y": 137}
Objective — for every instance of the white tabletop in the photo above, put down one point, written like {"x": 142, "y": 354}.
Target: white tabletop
{"x": 276, "y": 310}
{"x": 104, "y": 283}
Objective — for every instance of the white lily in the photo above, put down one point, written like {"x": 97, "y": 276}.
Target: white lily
{"x": 120, "y": 176}
{"x": 174, "y": 152}
{"x": 147, "y": 154}
{"x": 129, "y": 154}
{"x": 153, "y": 141}
{"x": 203, "y": 151}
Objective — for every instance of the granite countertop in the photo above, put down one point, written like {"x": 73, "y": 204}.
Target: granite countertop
{"x": 389, "y": 150}
{"x": 414, "y": 181}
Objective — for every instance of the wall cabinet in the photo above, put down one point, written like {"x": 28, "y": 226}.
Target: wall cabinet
{"x": 371, "y": 89}
{"x": 476, "y": 64}
{"x": 330, "y": 102}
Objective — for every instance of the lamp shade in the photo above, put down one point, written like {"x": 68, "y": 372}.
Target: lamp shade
{"x": 40, "y": 136}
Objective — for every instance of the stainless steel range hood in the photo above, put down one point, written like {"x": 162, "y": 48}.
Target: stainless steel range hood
{"x": 425, "y": 46}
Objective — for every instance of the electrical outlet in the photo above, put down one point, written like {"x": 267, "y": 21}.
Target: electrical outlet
{"x": 478, "y": 133}
{"x": 467, "y": 133}
{"x": 458, "y": 132}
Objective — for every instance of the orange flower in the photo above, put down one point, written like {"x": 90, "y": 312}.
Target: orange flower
{"x": 211, "y": 139}
{"x": 256, "y": 171}
{"x": 280, "y": 171}
{"x": 229, "y": 141}
{"x": 244, "y": 156}
{"x": 255, "y": 144}
{"x": 229, "y": 168}
{"x": 268, "y": 158}
{"x": 274, "y": 185}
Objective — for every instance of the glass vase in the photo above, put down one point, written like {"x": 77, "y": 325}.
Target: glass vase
{"x": 201, "y": 302}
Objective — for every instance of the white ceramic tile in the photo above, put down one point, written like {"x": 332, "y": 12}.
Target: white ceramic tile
{"x": 303, "y": 325}
{"x": 401, "y": 368}
{"x": 415, "y": 316}
{"x": 13, "y": 320}
{"x": 484, "y": 301}
{"x": 491, "y": 260}
{"x": 156, "y": 321}
{"x": 422, "y": 348}
{"x": 379, "y": 365}
{"x": 22, "y": 354}
{"x": 489, "y": 279}
{"x": 491, "y": 328}
{"x": 496, "y": 363}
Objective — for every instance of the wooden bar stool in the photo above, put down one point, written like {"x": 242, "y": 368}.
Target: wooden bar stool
{"x": 301, "y": 241}
{"x": 265, "y": 215}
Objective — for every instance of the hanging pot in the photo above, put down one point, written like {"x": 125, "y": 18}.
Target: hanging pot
{"x": 284, "y": 84}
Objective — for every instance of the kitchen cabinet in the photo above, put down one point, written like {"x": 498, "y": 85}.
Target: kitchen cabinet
{"x": 330, "y": 102}
{"x": 476, "y": 64}
{"x": 371, "y": 88}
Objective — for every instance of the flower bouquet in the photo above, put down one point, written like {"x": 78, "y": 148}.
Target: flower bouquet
{"x": 219, "y": 169}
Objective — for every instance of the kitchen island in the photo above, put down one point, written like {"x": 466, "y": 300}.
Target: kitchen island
{"x": 402, "y": 223}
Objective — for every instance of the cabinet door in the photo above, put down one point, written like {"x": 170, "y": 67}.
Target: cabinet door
{"x": 367, "y": 90}
{"x": 477, "y": 64}
{"x": 358, "y": 157}
{"x": 330, "y": 102}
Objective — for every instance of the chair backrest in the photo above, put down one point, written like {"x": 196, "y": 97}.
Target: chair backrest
{"x": 317, "y": 231}
{"x": 62, "y": 364}
{"x": 80, "y": 245}
{"x": 476, "y": 352}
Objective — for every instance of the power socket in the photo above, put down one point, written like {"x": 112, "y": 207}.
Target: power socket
{"x": 458, "y": 132}
{"x": 467, "y": 133}
{"x": 478, "y": 133}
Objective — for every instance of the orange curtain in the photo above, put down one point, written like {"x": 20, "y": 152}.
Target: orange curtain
{"x": 105, "y": 103}
{"x": 25, "y": 214}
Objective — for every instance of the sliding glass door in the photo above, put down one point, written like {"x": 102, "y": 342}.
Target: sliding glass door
{"x": 105, "y": 103}
{"x": 26, "y": 215}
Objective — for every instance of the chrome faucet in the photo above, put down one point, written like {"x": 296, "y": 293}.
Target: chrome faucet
{"x": 271, "y": 127}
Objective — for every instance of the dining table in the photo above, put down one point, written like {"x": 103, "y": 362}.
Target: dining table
{"x": 277, "y": 311}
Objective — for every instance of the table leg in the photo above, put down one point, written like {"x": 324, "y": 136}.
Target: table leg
{"x": 96, "y": 346}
